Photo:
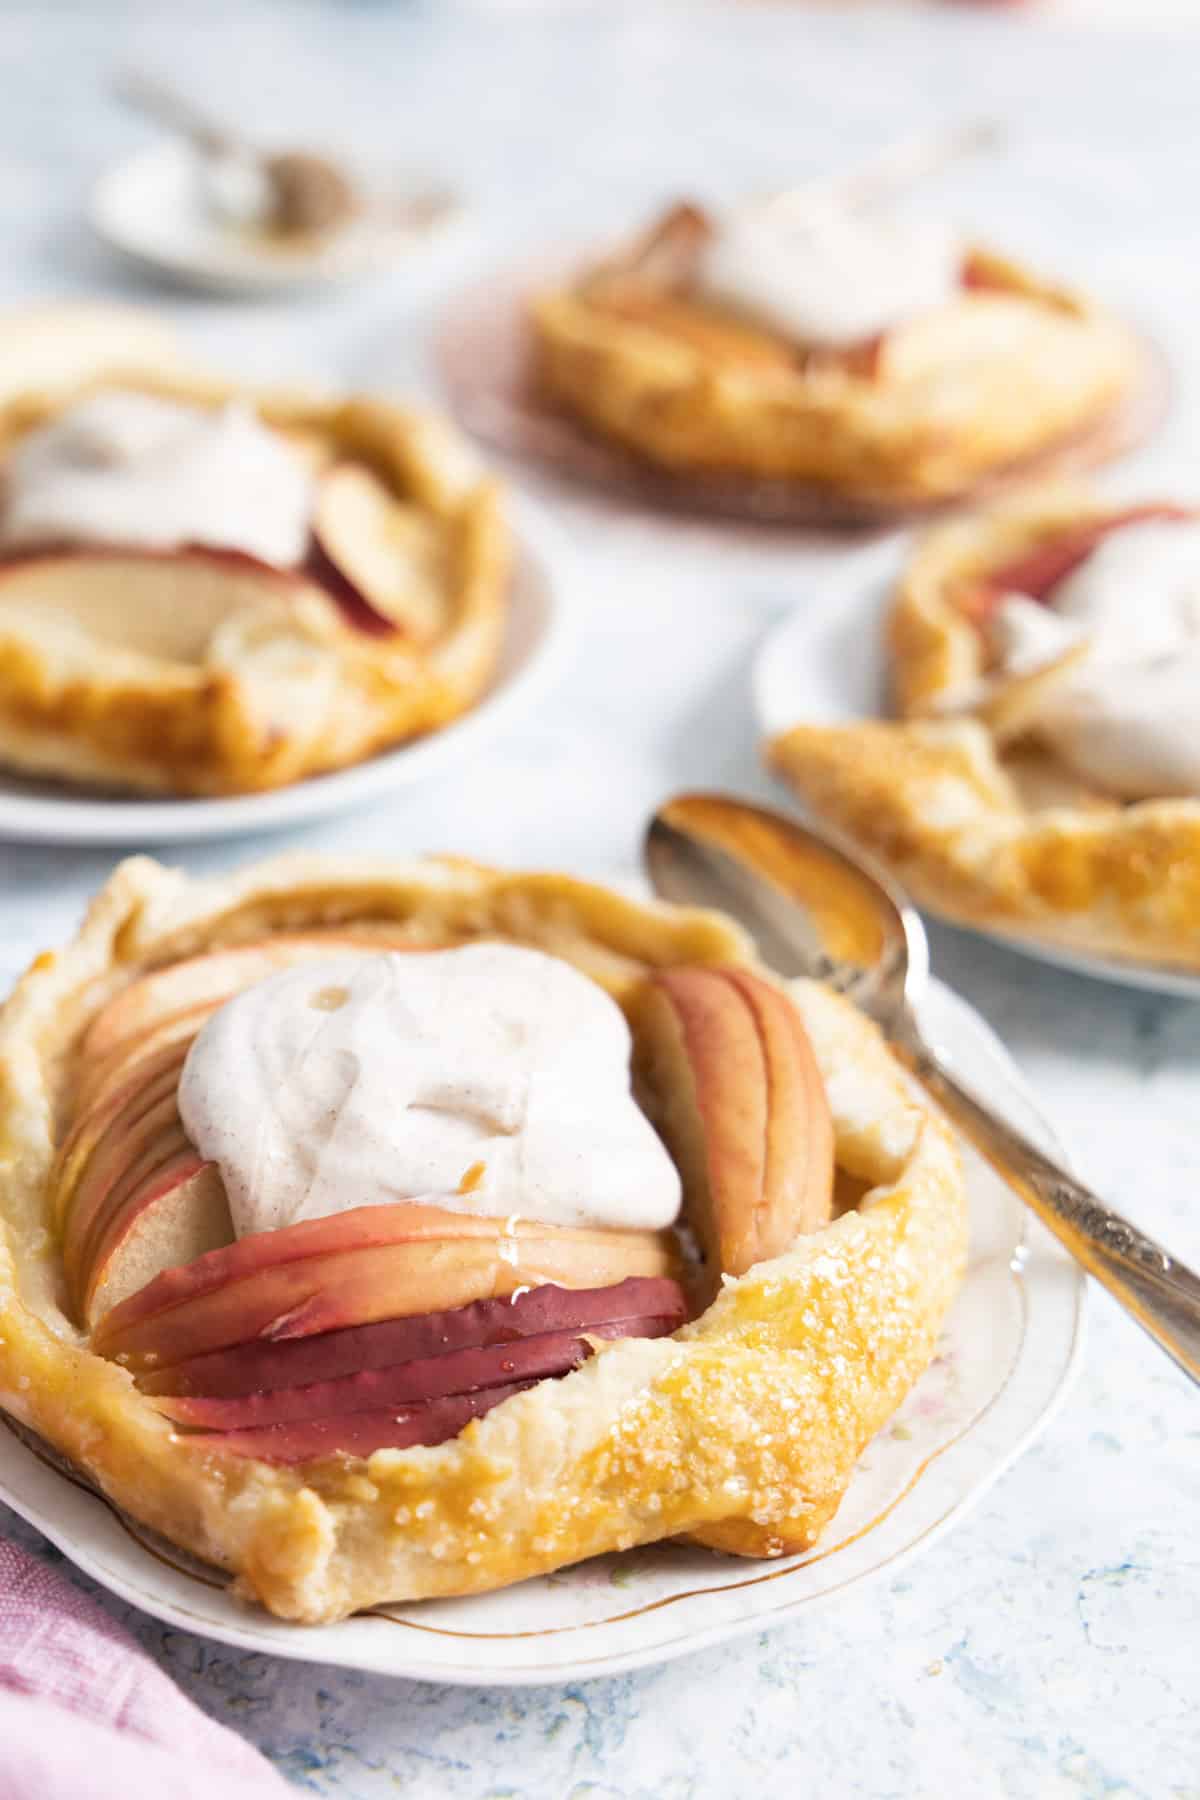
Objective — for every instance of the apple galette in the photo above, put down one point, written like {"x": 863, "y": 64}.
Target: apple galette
{"x": 1044, "y": 777}
{"x": 380, "y": 1232}
{"x": 205, "y": 590}
{"x": 886, "y": 362}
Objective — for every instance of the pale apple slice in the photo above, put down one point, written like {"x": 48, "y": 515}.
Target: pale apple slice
{"x": 175, "y": 1214}
{"x": 734, "y": 1087}
{"x": 1011, "y": 706}
{"x": 484, "y": 1324}
{"x": 157, "y": 1136}
{"x": 376, "y": 1262}
{"x": 198, "y": 981}
{"x": 128, "y": 1092}
{"x": 81, "y": 601}
{"x": 799, "y": 1174}
{"x": 384, "y": 554}
{"x": 104, "y": 1072}
{"x": 360, "y": 1434}
{"x": 92, "y": 1174}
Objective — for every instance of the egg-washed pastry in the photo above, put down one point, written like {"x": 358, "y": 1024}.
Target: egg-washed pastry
{"x": 205, "y": 589}
{"x": 883, "y": 361}
{"x": 1043, "y": 777}
{"x": 382, "y": 1231}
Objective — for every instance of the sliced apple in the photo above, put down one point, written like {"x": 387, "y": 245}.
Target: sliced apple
{"x": 115, "y": 1103}
{"x": 85, "y": 1228}
{"x": 537, "y": 1358}
{"x": 732, "y": 1083}
{"x": 134, "y": 1126}
{"x": 360, "y": 1286}
{"x": 382, "y": 559}
{"x": 130, "y": 1054}
{"x": 207, "y": 981}
{"x": 360, "y": 1434}
{"x": 167, "y": 605}
{"x": 176, "y": 1213}
{"x": 1038, "y": 570}
{"x": 261, "y": 1365}
{"x": 353, "y": 1268}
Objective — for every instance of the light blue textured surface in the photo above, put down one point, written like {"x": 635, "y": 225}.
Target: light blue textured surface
{"x": 1051, "y": 1645}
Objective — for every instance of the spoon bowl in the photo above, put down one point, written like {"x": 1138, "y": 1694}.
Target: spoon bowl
{"x": 814, "y": 907}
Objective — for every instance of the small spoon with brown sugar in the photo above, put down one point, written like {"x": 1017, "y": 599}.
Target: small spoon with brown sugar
{"x": 294, "y": 193}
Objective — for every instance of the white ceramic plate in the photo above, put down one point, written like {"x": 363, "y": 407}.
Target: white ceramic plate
{"x": 1010, "y": 1348}
{"x": 825, "y": 665}
{"x": 536, "y": 646}
{"x": 149, "y": 208}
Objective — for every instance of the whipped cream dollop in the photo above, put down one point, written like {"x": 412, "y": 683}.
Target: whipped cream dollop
{"x": 829, "y": 278}
{"x": 1127, "y": 714}
{"x": 136, "y": 470}
{"x": 490, "y": 1079}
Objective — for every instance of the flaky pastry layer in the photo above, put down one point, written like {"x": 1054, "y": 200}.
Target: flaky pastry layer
{"x": 286, "y": 688}
{"x": 742, "y": 1430}
{"x": 996, "y": 835}
{"x": 989, "y": 380}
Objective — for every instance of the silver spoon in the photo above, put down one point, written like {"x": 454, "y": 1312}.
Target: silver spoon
{"x": 815, "y": 907}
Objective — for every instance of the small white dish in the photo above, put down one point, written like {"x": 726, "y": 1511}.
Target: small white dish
{"x": 150, "y": 208}
{"x": 1010, "y": 1349}
{"x": 825, "y": 665}
{"x": 536, "y": 647}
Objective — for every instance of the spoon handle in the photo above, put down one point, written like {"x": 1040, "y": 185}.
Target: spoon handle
{"x": 1160, "y": 1292}
{"x": 157, "y": 98}
{"x": 888, "y": 172}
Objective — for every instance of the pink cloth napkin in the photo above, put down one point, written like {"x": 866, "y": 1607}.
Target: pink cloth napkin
{"x": 86, "y": 1715}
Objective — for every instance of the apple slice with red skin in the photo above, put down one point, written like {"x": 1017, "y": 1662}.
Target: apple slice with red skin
{"x": 537, "y": 1358}
{"x": 372, "y": 552}
{"x": 1038, "y": 570}
{"x": 361, "y": 1286}
{"x": 359, "y": 1434}
{"x": 174, "y": 1214}
{"x": 254, "y": 1367}
{"x": 736, "y": 1091}
{"x": 353, "y": 1268}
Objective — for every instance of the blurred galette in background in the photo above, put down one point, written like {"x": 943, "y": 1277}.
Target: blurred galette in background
{"x": 210, "y": 590}
{"x": 883, "y": 360}
{"x": 1044, "y": 772}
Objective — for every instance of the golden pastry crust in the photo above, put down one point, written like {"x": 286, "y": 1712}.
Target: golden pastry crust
{"x": 1011, "y": 368}
{"x": 266, "y": 681}
{"x": 978, "y": 822}
{"x": 743, "y": 1430}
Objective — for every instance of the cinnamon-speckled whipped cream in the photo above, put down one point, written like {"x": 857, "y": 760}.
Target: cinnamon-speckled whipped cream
{"x": 490, "y": 1079}
{"x": 132, "y": 469}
